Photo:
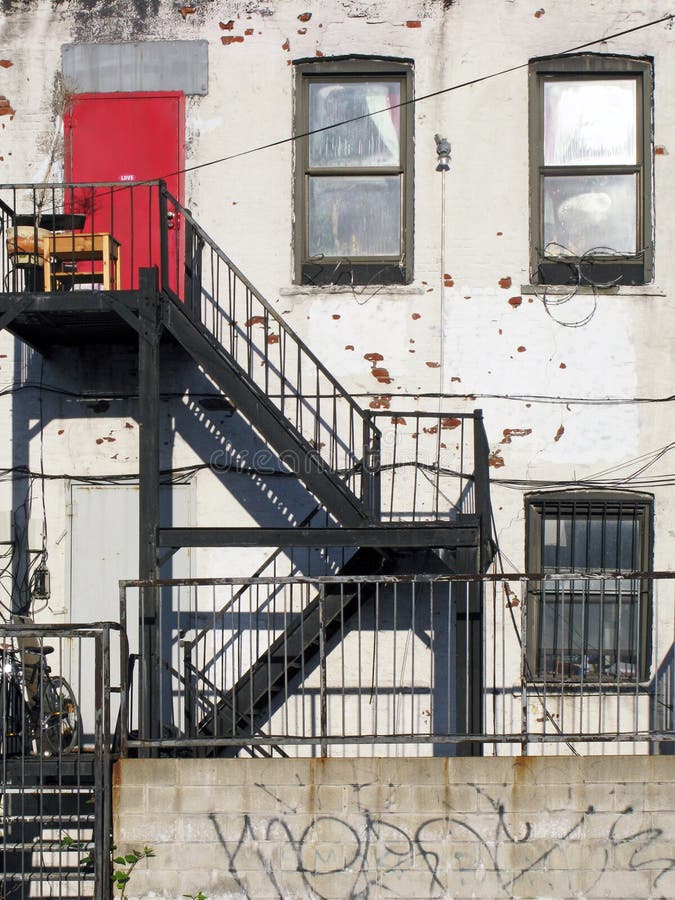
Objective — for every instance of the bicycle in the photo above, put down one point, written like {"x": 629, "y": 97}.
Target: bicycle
{"x": 37, "y": 709}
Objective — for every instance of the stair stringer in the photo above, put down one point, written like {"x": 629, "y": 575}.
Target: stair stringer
{"x": 293, "y": 449}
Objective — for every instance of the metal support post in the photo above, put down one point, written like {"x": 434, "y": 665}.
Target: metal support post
{"x": 148, "y": 500}
{"x": 370, "y": 474}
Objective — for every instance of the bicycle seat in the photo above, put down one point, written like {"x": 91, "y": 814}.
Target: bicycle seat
{"x": 44, "y": 651}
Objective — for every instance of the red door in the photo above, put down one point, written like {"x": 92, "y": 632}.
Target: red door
{"x": 126, "y": 139}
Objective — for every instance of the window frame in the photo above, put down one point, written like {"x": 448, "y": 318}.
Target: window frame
{"x": 364, "y": 270}
{"x": 597, "y": 270}
{"x": 593, "y": 506}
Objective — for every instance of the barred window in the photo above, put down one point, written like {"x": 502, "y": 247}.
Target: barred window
{"x": 592, "y": 628}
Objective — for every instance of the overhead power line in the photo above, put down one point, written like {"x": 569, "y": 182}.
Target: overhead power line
{"x": 455, "y": 87}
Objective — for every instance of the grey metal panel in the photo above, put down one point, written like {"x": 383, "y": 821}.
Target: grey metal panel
{"x": 136, "y": 66}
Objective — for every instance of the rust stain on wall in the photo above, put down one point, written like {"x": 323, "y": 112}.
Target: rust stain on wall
{"x": 254, "y": 320}
{"x": 286, "y": 45}
{"x": 495, "y": 460}
{"x": 186, "y": 11}
{"x": 515, "y": 301}
{"x": 227, "y": 26}
{"x": 5, "y": 107}
{"x": 559, "y": 433}
{"x": 398, "y": 420}
{"x": 336, "y": 315}
{"x": 248, "y": 31}
{"x": 448, "y": 281}
{"x": 6, "y": 63}
{"x": 432, "y": 365}
{"x": 349, "y": 346}
{"x": 413, "y": 23}
{"x": 416, "y": 316}
{"x": 232, "y": 39}
{"x": 659, "y": 150}
{"x": 539, "y": 13}
{"x": 373, "y": 357}
{"x": 563, "y": 366}
{"x": 450, "y": 422}
{"x": 521, "y": 349}
{"x": 514, "y": 432}
{"x": 382, "y": 375}
{"x": 304, "y": 17}
{"x": 272, "y": 338}
{"x": 505, "y": 282}
{"x": 302, "y": 31}
{"x": 433, "y": 429}
{"x": 383, "y": 401}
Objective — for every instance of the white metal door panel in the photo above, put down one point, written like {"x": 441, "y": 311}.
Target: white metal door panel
{"x": 103, "y": 551}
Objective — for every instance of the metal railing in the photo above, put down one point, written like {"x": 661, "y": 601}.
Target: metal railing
{"x": 61, "y": 696}
{"x": 432, "y": 466}
{"x": 64, "y": 237}
{"x": 270, "y": 354}
{"x": 401, "y": 665}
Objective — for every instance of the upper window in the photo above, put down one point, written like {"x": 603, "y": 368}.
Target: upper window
{"x": 354, "y": 180}
{"x": 590, "y": 169}
{"x": 595, "y": 628}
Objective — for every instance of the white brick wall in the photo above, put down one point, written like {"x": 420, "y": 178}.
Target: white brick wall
{"x": 582, "y": 828}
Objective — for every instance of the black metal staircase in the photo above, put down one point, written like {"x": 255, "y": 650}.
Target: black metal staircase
{"x": 47, "y": 827}
{"x": 204, "y": 303}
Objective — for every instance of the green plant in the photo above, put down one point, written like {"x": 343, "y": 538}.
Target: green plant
{"x": 127, "y": 864}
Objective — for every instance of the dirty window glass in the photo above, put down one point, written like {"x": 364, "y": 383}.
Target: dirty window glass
{"x": 372, "y": 140}
{"x": 591, "y": 170}
{"x": 354, "y": 216}
{"x": 354, "y": 172}
{"x": 590, "y": 212}
{"x": 591, "y": 122}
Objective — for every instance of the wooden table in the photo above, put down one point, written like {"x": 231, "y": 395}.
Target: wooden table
{"x": 65, "y": 250}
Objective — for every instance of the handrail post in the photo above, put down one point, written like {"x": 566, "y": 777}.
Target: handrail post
{"x": 102, "y": 793}
{"x": 481, "y": 477}
{"x": 163, "y": 235}
{"x": 370, "y": 468}
{"x": 189, "y": 692}
{"x": 524, "y": 589}
{"x": 323, "y": 715}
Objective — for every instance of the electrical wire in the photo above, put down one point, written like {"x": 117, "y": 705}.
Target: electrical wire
{"x": 414, "y": 100}
{"x": 418, "y": 395}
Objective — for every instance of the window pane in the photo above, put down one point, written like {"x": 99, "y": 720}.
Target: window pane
{"x": 590, "y": 122}
{"x": 590, "y": 212}
{"x": 351, "y": 216}
{"x": 372, "y": 141}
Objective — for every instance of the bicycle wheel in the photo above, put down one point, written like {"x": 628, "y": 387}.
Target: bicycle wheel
{"x": 60, "y": 717}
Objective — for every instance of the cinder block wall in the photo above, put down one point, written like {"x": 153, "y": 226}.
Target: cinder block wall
{"x": 536, "y": 827}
